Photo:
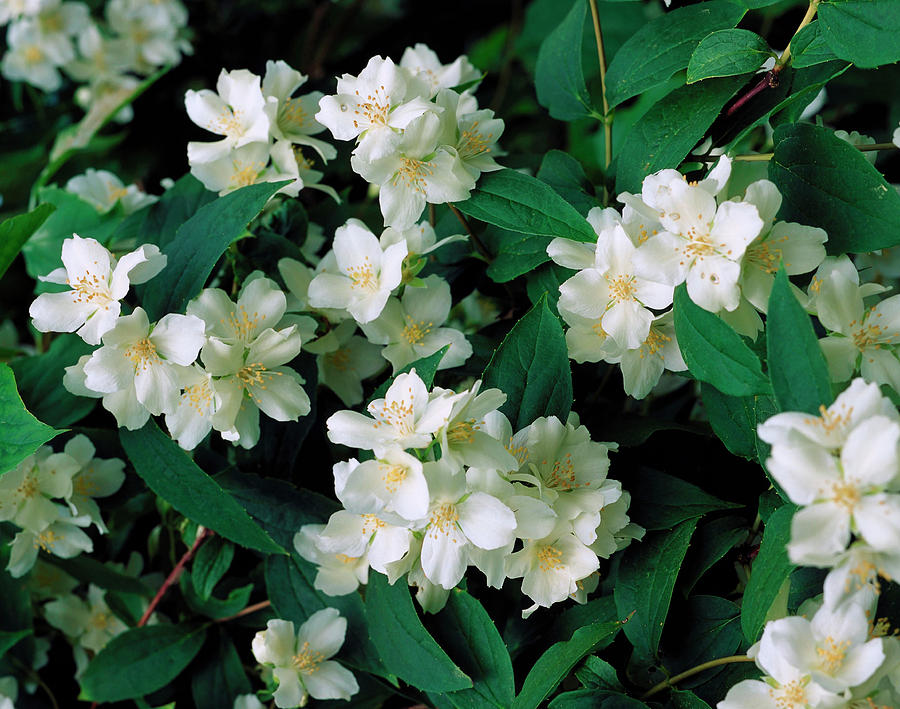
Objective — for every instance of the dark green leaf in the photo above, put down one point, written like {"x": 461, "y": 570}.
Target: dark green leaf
{"x": 828, "y": 183}
{"x": 15, "y": 231}
{"x": 40, "y": 382}
{"x": 558, "y": 75}
{"x": 210, "y": 564}
{"x": 865, "y": 32}
{"x": 21, "y": 434}
{"x": 727, "y": 53}
{"x": 517, "y": 255}
{"x": 769, "y": 571}
{"x": 660, "y": 501}
{"x": 714, "y": 352}
{"x": 663, "y": 46}
{"x": 646, "y": 579}
{"x": 213, "y": 607}
{"x": 199, "y": 243}
{"x": 172, "y": 475}
{"x": 733, "y": 419}
{"x": 544, "y": 281}
{"x": 809, "y": 47}
{"x": 711, "y": 629}
{"x": 532, "y": 367}
{"x": 290, "y": 586}
{"x": 177, "y": 204}
{"x": 402, "y": 641}
{"x": 88, "y": 570}
{"x": 219, "y": 677}
{"x": 467, "y": 633}
{"x": 598, "y": 674}
{"x": 713, "y": 540}
{"x": 8, "y": 638}
{"x": 686, "y": 700}
{"x": 555, "y": 664}
{"x": 566, "y": 176}
{"x": 511, "y": 200}
{"x": 797, "y": 366}
{"x": 665, "y": 134}
{"x": 595, "y": 699}
{"x": 140, "y": 661}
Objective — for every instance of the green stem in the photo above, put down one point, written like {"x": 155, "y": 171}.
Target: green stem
{"x": 601, "y": 55}
{"x": 762, "y": 157}
{"x": 476, "y": 242}
{"x": 695, "y": 670}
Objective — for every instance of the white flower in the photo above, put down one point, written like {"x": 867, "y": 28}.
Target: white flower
{"x": 420, "y": 238}
{"x": 101, "y": 59}
{"x": 616, "y": 530}
{"x": 97, "y": 478}
{"x": 151, "y": 31}
{"x": 337, "y": 574}
{"x": 896, "y": 137}
{"x": 422, "y": 61}
{"x": 260, "y": 307}
{"x": 98, "y": 282}
{"x": 247, "y": 701}
{"x": 418, "y": 171}
{"x": 192, "y": 418}
{"x": 406, "y": 417}
{"x": 236, "y": 112}
{"x": 104, "y": 191}
{"x": 363, "y": 277}
{"x": 703, "y": 243}
{"x": 300, "y": 662}
{"x": 643, "y": 366}
{"x": 473, "y": 134}
{"x": 344, "y": 359}
{"x": 123, "y": 404}
{"x": 292, "y": 119}
{"x": 29, "y": 59}
{"x": 239, "y": 167}
{"x": 467, "y": 438}
{"x": 91, "y": 623}
{"x": 458, "y": 520}
{"x": 550, "y": 568}
{"x": 152, "y": 359}
{"x": 382, "y": 543}
{"x": 394, "y": 482}
{"x": 14, "y": 9}
{"x": 856, "y": 573}
{"x": 411, "y": 327}
{"x": 608, "y": 288}
{"x": 63, "y": 537}
{"x": 57, "y": 22}
{"x": 376, "y": 106}
{"x": 9, "y": 692}
{"x": 26, "y": 491}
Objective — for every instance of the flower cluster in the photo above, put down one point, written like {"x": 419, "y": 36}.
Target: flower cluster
{"x": 137, "y": 38}
{"x": 145, "y": 368}
{"x": 265, "y": 129}
{"x": 535, "y": 505}
{"x": 837, "y": 659}
{"x": 843, "y": 469}
{"x": 420, "y": 134}
{"x": 104, "y": 191}
{"x": 300, "y": 660}
{"x": 50, "y": 496}
{"x": 727, "y": 252}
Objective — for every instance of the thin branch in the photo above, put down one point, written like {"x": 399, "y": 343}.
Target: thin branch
{"x": 173, "y": 576}
{"x": 247, "y": 611}
{"x": 479, "y": 246}
{"x": 695, "y": 670}
{"x": 601, "y": 55}
{"x": 33, "y": 674}
{"x": 762, "y": 157}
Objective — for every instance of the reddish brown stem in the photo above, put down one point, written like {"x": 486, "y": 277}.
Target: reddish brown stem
{"x": 247, "y": 611}
{"x": 768, "y": 81}
{"x": 173, "y": 576}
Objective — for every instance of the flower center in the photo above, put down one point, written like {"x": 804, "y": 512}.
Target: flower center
{"x": 33, "y": 54}
{"x": 252, "y": 375}
{"x": 462, "y": 431}
{"x": 444, "y": 518}
{"x": 845, "y": 494}
{"x": 764, "y": 257}
{"x": 198, "y": 396}
{"x": 46, "y": 540}
{"x": 245, "y": 173}
{"x": 29, "y": 487}
{"x": 790, "y": 696}
{"x": 142, "y": 354}
{"x": 412, "y": 174}
{"x": 228, "y": 123}
{"x": 562, "y": 474}
{"x": 100, "y": 620}
{"x": 242, "y": 324}
{"x": 392, "y": 476}
{"x": 85, "y": 486}
{"x": 91, "y": 288}
{"x": 371, "y": 524}
{"x": 374, "y": 110}
{"x": 398, "y": 415}
{"x": 868, "y": 334}
{"x": 621, "y": 288}
{"x": 549, "y": 558}
{"x": 831, "y": 654}
{"x": 363, "y": 276}
{"x": 415, "y": 330}
{"x": 307, "y": 660}
{"x": 654, "y": 344}
{"x": 339, "y": 359}
{"x": 291, "y": 114}
{"x": 473, "y": 142}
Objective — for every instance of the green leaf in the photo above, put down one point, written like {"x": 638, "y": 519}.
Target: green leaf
{"x": 21, "y": 434}
{"x": 555, "y": 664}
{"x": 714, "y": 352}
{"x": 727, "y": 53}
{"x": 598, "y": 674}
{"x": 769, "y": 571}
{"x": 176, "y": 205}
{"x": 40, "y": 382}
{"x": 88, "y": 570}
{"x": 665, "y": 134}
{"x": 865, "y": 32}
{"x": 733, "y": 419}
{"x": 797, "y": 366}
{"x": 8, "y": 638}
{"x": 172, "y": 475}
{"x": 467, "y": 633}
{"x": 663, "y": 46}
{"x": 809, "y": 47}
{"x": 828, "y": 183}
{"x": 566, "y": 176}
{"x": 544, "y": 282}
{"x": 558, "y": 75}
{"x": 199, "y": 243}
{"x": 517, "y": 255}
{"x": 531, "y": 366}
{"x": 713, "y": 630}
{"x": 712, "y": 541}
{"x": 595, "y": 699}
{"x": 210, "y": 564}
{"x": 647, "y": 576}
{"x": 214, "y": 607}
{"x": 290, "y": 586}
{"x": 219, "y": 677}
{"x": 140, "y": 661}
{"x": 402, "y": 641}
{"x": 517, "y": 202}
{"x": 426, "y": 368}
{"x": 661, "y": 501}
{"x": 686, "y": 700}
{"x": 15, "y": 231}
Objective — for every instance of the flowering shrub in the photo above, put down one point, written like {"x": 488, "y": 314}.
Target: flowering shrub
{"x": 413, "y": 390}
